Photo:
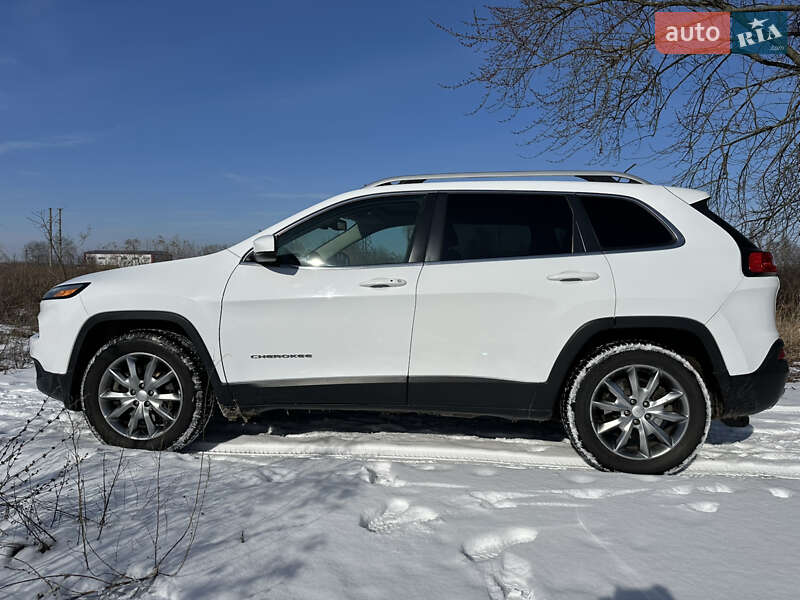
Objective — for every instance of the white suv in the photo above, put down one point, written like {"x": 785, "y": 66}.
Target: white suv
{"x": 628, "y": 310}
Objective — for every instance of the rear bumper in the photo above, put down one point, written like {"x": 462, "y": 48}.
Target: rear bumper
{"x": 757, "y": 391}
{"x": 54, "y": 385}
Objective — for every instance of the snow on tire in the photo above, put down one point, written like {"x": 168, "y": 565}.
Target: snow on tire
{"x": 636, "y": 407}
{"x": 146, "y": 389}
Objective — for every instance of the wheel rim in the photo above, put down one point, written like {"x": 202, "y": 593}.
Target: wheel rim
{"x": 140, "y": 396}
{"x": 639, "y": 412}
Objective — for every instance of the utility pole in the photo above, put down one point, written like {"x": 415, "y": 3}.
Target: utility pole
{"x": 50, "y": 239}
{"x": 60, "y": 248}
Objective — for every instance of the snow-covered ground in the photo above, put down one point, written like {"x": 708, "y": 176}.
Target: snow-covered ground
{"x": 386, "y": 506}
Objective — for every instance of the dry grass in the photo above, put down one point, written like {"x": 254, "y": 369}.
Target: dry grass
{"x": 22, "y": 286}
{"x": 788, "y": 314}
{"x": 789, "y": 326}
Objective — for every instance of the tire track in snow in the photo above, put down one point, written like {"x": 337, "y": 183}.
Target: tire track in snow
{"x": 729, "y": 452}
{"x": 283, "y": 447}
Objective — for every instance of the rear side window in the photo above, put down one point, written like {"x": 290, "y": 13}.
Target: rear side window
{"x": 480, "y": 226}
{"x": 622, "y": 224}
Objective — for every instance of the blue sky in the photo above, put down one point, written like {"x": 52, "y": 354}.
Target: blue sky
{"x": 213, "y": 120}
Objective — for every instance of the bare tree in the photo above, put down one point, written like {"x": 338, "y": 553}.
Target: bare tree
{"x": 44, "y": 222}
{"x": 55, "y": 245}
{"x": 36, "y": 252}
{"x": 132, "y": 244}
{"x": 579, "y": 73}
{"x": 175, "y": 246}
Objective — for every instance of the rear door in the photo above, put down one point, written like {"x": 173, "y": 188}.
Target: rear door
{"x": 505, "y": 284}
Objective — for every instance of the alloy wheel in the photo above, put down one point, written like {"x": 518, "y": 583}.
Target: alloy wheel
{"x": 639, "y": 412}
{"x": 140, "y": 396}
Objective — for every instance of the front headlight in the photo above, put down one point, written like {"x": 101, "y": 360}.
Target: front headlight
{"x": 64, "y": 291}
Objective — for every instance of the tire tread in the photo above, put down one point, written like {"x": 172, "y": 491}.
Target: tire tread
{"x": 202, "y": 396}
{"x": 581, "y": 369}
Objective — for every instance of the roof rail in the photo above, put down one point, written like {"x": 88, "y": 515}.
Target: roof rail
{"x": 597, "y": 176}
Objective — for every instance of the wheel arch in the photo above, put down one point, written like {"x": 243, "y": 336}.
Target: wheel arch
{"x": 100, "y": 328}
{"x": 686, "y": 336}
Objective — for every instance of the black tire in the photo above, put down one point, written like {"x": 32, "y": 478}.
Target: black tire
{"x": 583, "y": 419}
{"x": 208, "y": 392}
{"x": 177, "y": 353}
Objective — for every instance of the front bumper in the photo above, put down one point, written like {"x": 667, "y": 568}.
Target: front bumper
{"x": 754, "y": 392}
{"x": 54, "y": 385}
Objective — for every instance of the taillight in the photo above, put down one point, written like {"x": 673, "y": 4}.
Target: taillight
{"x": 761, "y": 262}
{"x": 781, "y": 354}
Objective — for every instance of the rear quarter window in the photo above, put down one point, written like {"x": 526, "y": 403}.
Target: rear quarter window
{"x": 622, "y": 224}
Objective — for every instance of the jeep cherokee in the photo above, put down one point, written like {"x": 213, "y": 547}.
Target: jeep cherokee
{"x": 628, "y": 310}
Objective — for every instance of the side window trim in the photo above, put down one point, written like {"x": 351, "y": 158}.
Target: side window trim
{"x": 436, "y": 237}
{"x": 420, "y": 242}
{"x": 586, "y": 225}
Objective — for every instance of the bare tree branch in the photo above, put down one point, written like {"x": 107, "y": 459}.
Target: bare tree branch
{"x": 579, "y": 74}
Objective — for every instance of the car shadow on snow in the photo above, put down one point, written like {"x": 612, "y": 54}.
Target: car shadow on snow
{"x": 719, "y": 433}
{"x": 657, "y": 592}
{"x": 293, "y": 422}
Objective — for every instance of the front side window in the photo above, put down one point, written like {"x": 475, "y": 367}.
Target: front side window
{"x": 492, "y": 225}
{"x": 379, "y": 231}
{"x": 622, "y": 224}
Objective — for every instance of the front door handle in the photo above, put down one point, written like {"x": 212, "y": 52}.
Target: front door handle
{"x": 574, "y": 276}
{"x": 383, "y": 282}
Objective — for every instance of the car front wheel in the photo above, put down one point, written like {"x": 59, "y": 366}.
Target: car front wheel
{"x": 146, "y": 389}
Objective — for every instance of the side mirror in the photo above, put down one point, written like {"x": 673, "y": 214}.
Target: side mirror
{"x": 264, "y": 249}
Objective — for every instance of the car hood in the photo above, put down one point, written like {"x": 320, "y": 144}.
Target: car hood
{"x": 167, "y": 286}
{"x": 160, "y": 271}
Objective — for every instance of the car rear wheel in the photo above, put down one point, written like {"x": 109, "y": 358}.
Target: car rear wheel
{"x": 638, "y": 408}
{"x": 146, "y": 389}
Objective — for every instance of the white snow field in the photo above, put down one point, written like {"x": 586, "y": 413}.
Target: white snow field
{"x": 327, "y": 506}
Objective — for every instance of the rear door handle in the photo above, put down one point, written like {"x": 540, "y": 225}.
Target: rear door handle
{"x": 383, "y": 282}
{"x": 574, "y": 276}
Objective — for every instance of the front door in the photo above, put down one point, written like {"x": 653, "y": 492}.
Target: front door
{"x": 330, "y": 323}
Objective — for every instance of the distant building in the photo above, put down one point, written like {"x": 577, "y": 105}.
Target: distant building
{"x": 125, "y": 258}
